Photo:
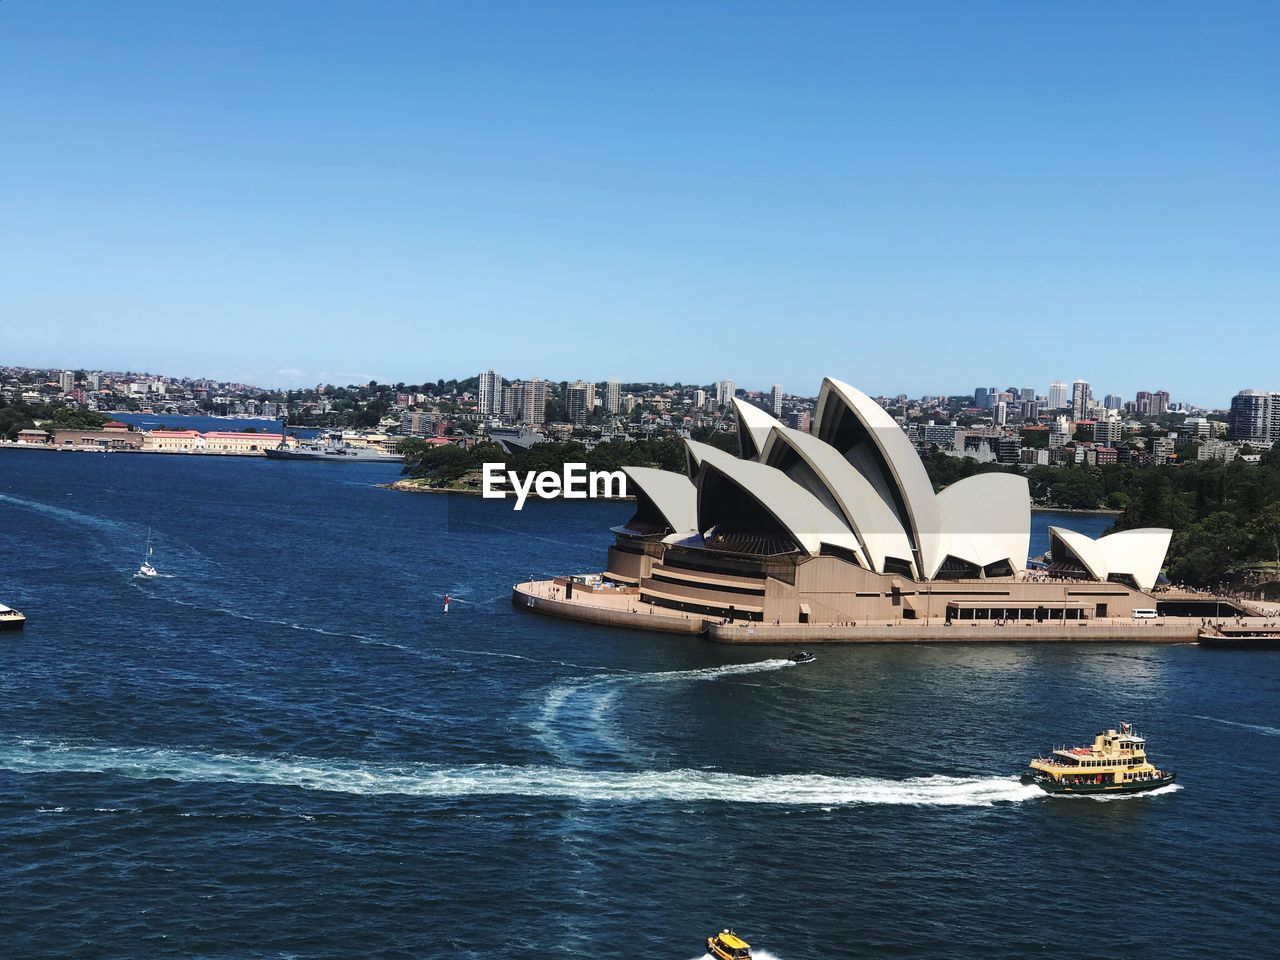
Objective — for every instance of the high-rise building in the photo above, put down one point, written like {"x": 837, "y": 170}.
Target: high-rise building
{"x": 1000, "y": 413}
{"x": 1081, "y": 399}
{"x": 1057, "y": 395}
{"x": 67, "y": 381}
{"x": 1030, "y": 410}
{"x": 1112, "y": 401}
{"x": 1027, "y": 393}
{"x": 980, "y": 397}
{"x": 775, "y": 400}
{"x": 581, "y": 402}
{"x": 1159, "y": 403}
{"x": 1252, "y": 415}
{"x": 699, "y": 399}
{"x": 1107, "y": 431}
{"x": 799, "y": 420}
{"x": 725, "y": 391}
{"x": 490, "y": 394}
{"x": 95, "y": 381}
{"x": 612, "y": 396}
{"x": 528, "y": 401}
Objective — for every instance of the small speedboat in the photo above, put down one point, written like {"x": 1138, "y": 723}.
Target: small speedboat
{"x": 727, "y": 945}
{"x": 802, "y": 657}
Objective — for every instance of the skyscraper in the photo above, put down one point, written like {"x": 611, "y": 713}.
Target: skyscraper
{"x": 490, "y": 402}
{"x": 612, "y": 396}
{"x": 725, "y": 390}
{"x": 1251, "y": 415}
{"x": 1057, "y": 395}
{"x": 775, "y": 400}
{"x": 1112, "y": 401}
{"x": 1081, "y": 397}
{"x": 67, "y": 381}
{"x": 581, "y": 402}
{"x": 528, "y": 401}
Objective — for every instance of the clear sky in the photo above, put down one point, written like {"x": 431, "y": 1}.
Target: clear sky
{"x": 917, "y": 197}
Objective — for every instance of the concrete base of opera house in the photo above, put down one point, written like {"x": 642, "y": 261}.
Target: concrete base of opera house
{"x": 623, "y": 608}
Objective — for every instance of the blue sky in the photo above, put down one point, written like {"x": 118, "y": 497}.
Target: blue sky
{"x": 913, "y": 197}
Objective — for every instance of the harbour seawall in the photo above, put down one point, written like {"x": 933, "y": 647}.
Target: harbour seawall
{"x": 624, "y": 609}
{"x": 1167, "y": 630}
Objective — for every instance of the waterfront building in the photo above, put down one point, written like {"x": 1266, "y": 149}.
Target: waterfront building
{"x": 1057, "y": 395}
{"x": 843, "y": 524}
{"x": 173, "y": 441}
{"x": 612, "y": 396}
{"x": 490, "y": 394}
{"x": 113, "y": 436}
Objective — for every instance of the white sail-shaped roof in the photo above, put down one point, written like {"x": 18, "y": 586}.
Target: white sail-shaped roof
{"x": 1135, "y": 553}
{"x": 986, "y": 519}
{"x": 885, "y": 456}
{"x": 799, "y": 512}
{"x": 871, "y": 519}
{"x": 672, "y": 494}
{"x": 753, "y": 428}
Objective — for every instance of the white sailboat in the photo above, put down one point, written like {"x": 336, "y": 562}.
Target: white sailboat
{"x": 147, "y": 570}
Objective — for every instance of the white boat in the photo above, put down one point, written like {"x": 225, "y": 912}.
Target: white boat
{"x": 11, "y": 619}
{"x": 147, "y": 570}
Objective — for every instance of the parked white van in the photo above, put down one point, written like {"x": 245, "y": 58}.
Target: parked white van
{"x": 1144, "y": 613}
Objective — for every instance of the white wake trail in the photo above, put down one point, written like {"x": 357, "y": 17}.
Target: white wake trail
{"x": 600, "y": 692}
{"x": 1256, "y": 727}
{"x": 477, "y": 780}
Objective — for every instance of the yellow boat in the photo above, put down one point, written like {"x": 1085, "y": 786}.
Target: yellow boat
{"x": 727, "y": 945}
{"x": 1115, "y": 763}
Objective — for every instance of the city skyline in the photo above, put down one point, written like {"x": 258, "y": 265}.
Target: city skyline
{"x": 284, "y": 194}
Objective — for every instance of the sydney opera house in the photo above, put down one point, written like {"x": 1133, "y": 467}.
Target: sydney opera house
{"x": 842, "y": 525}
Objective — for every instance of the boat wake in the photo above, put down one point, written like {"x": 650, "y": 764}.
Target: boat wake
{"x": 32, "y": 757}
{"x": 1107, "y": 798}
{"x": 1256, "y": 727}
{"x": 581, "y": 707}
{"x": 63, "y": 513}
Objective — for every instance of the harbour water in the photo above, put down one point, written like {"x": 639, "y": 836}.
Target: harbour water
{"x": 282, "y": 747}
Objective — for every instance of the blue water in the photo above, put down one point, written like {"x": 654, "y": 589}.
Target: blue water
{"x": 283, "y": 749}
{"x": 173, "y": 421}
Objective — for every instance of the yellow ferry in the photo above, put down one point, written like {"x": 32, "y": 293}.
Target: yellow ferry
{"x": 1115, "y": 763}
{"x": 727, "y": 945}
